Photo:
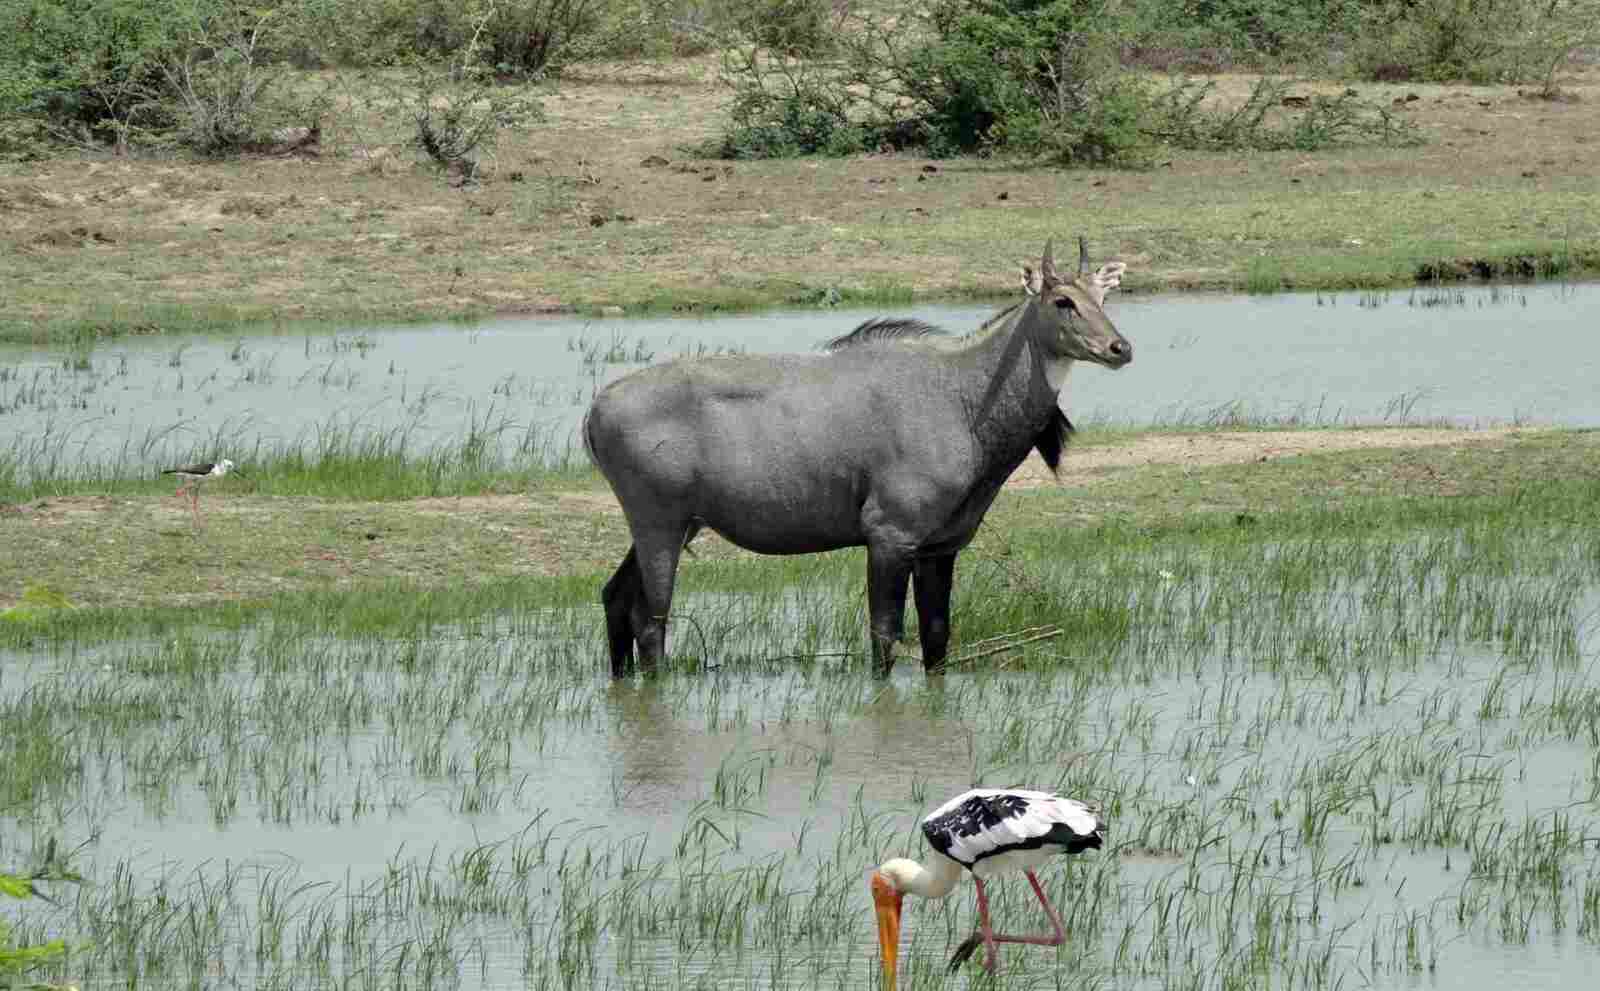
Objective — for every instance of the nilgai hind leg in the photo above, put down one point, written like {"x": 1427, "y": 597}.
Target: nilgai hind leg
{"x": 619, "y": 597}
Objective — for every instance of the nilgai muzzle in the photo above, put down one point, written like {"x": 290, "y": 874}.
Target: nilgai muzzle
{"x": 897, "y": 438}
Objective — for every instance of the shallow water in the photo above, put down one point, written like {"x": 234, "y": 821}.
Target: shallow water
{"x": 489, "y": 799}
{"x": 1465, "y": 356}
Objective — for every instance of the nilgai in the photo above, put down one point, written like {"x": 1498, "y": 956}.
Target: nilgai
{"x": 898, "y": 438}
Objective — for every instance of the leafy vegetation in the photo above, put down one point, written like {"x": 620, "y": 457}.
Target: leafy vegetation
{"x": 195, "y": 73}
{"x": 1043, "y": 78}
{"x": 459, "y": 110}
{"x": 1480, "y": 41}
{"x": 1040, "y": 78}
{"x": 17, "y": 962}
{"x": 1323, "y": 121}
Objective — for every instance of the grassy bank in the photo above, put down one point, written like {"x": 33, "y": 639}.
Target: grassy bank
{"x": 135, "y": 549}
{"x": 602, "y": 205}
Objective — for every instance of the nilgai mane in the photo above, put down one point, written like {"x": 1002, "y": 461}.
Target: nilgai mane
{"x": 898, "y": 438}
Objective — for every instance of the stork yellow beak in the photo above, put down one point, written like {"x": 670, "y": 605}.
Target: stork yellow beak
{"x": 887, "y": 901}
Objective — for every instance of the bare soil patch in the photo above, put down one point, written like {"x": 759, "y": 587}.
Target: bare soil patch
{"x": 607, "y": 203}
{"x": 1086, "y": 465}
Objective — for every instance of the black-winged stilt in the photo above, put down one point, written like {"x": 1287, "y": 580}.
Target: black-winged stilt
{"x": 984, "y": 832}
{"x": 193, "y": 475}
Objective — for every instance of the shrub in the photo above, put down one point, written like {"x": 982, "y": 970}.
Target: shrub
{"x": 1259, "y": 123}
{"x": 800, "y": 123}
{"x": 532, "y": 38}
{"x": 459, "y": 110}
{"x": 86, "y": 71}
{"x": 789, "y": 27}
{"x": 123, "y": 72}
{"x": 1556, "y": 32}
{"x": 1480, "y": 41}
{"x": 219, "y": 79}
{"x": 1271, "y": 29}
{"x": 523, "y": 38}
{"x": 1037, "y": 77}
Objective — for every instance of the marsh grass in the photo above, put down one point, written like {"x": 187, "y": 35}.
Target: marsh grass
{"x": 1345, "y": 689}
{"x": 1338, "y": 742}
{"x": 340, "y": 458}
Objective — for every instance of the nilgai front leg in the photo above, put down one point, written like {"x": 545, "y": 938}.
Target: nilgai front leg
{"x": 888, "y": 575}
{"x": 657, "y": 551}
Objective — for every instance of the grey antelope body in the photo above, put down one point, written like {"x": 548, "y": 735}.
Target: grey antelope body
{"x": 896, "y": 439}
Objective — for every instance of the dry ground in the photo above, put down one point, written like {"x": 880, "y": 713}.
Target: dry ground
{"x": 1086, "y": 466}
{"x": 132, "y": 550}
{"x": 603, "y": 205}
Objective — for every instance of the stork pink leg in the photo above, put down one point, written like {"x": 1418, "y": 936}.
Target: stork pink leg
{"x": 1055, "y": 939}
{"x": 990, "y": 954}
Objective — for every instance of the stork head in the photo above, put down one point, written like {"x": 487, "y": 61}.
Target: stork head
{"x": 888, "y": 885}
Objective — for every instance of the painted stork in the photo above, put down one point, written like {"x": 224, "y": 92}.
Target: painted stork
{"x": 193, "y": 475}
{"x": 984, "y": 832}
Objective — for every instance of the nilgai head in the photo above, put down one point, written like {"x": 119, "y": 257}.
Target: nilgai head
{"x": 1077, "y": 325}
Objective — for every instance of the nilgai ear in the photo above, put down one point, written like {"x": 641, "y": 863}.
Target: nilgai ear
{"x": 1083, "y": 256}
{"x": 1047, "y": 267}
{"x": 1105, "y": 279}
{"x": 1031, "y": 282}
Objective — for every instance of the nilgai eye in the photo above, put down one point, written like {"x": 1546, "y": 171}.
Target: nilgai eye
{"x": 1065, "y": 303}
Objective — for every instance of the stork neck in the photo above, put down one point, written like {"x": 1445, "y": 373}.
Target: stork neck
{"x": 934, "y": 880}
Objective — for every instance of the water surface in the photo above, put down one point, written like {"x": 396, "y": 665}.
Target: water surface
{"x": 1467, "y": 357}
{"x": 1365, "y": 779}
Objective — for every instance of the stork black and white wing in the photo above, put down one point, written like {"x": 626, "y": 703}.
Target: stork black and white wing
{"x": 988, "y": 822}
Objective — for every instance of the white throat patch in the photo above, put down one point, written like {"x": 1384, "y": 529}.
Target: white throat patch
{"x": 1055, "y": 373}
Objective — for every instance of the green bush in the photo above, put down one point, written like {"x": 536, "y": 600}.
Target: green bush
{"x": 459, "y": 109}
{"x": 196, "y": 73}
{"x": 789, "y": 126}
{"x": 1037, "y": 78}
{"x": 1479, "y": 41}
{"x": 1260, "y": 122}
{"x": 532, "y": 38}
{"x": 1256, "y": 29}
{"x": 523, "y": 38}
{"x": 1111, "y": 128}
{"x": 790, "y": 27}
{"x": 86, "y": 71}
{"x": 1031, "y": 77}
